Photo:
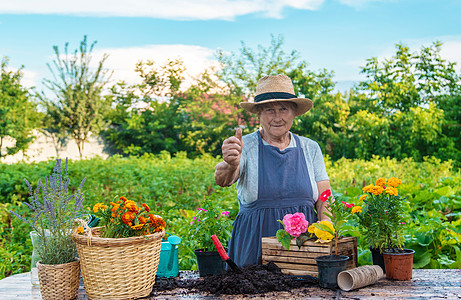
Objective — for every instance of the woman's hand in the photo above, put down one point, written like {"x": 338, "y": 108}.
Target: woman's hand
{"x": 232, "y": 148}
{"x": 227, "y": 171}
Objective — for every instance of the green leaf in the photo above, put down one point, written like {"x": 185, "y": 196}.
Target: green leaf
{"x": 284, "y": 238}
{"x": 423, "y": 238}
{"x": 301, "y": 239}
{"x": 421, "y": 260}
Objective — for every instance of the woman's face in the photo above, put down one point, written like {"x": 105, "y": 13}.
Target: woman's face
{"x": 276, "y": 118}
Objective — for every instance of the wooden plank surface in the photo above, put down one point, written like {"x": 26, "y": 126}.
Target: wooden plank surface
{"x": 426, "y": 284}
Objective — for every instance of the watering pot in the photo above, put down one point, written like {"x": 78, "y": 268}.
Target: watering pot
{"x": 168, "y": 265}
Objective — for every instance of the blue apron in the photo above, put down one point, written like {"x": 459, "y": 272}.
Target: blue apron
{"x": 284, "y": 187}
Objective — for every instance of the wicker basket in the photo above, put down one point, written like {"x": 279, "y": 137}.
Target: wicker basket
{"x": 59, "y": 281}
{"x": 118, "y": 268}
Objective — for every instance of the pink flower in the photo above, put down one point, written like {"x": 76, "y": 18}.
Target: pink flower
{"x": 325, "y": 195}
{"x": 226, "y": 213}
{"x": 349, "y": 205}
{"x": 191, "y": 223}
{"x": 403, "y": 223}
{"x": 295, "y": 224}
{"x": 202, "y": 209}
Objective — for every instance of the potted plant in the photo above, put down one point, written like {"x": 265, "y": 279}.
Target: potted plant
{"x": 124, "y": 250}
{"x": 329, "y": 266}
{"x": 381, "y": 221}
{"x": 297, "y": 227}
{"x": 53, "y": 210}
{"x": 208, "y": 220}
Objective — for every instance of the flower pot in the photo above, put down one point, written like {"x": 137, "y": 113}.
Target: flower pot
{"x": 118, "y": 268}
{"x": 399, "y": 266}
{"x": 209, "y": 262}
{"x": 329, "y": 266}
{"x": 59, "y": 281}
{"x": 378, "y": 258}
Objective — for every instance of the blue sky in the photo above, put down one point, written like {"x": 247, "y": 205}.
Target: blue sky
{"x": 338, "y": 35}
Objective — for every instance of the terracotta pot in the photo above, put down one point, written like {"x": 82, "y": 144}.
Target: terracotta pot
{"x": 399, "y": 266}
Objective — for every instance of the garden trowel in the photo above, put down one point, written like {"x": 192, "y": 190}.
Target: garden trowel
{"x": 224, "y": 255}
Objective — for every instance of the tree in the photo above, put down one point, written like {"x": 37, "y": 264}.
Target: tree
{"x": 79, "y": 106}
{"x": 18, "y": 113}
{"x": 147, "y": 117}
{"x": 242, "y": 72}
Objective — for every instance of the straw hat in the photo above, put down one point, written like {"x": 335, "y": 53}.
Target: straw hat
{"x": 274, "y": 89}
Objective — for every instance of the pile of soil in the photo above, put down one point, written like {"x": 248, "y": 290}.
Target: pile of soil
{"x": 258, "y": 279}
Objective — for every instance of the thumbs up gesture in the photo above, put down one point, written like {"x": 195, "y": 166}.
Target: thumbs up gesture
{"x": 232, "y": 149}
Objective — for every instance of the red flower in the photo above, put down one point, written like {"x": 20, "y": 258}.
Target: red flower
{"x": 325, "y": 195}
{"x": 349, "y": 205}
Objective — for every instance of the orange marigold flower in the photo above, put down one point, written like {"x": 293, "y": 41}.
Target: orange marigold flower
{"x": 99, "y": 206}
{"x": 363, "y": 197}
{"x": 368, "y": 188}
{"x": 80, "y": 229}
{"x": 392, "y": 191}
{"x": 123, "y": 199}
{"x": 142, "y": 220}
{"x": 131, "y": 206}
{"x": 356, "y": 209}
{"x": 136, "y": 227}
{"x": 380, "y": 182}
{"x": 127, "y": 217}
{"x": 157, "y": 222}
{"x": 377, "y": 190}
{"x": 394, "y": 182}
{"x": 146, "y": 207}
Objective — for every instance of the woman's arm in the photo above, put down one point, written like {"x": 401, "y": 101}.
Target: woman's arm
{"x": 227, "y": 172}
{"x": 319, "y": 205}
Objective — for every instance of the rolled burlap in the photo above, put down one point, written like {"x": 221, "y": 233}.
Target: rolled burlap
{"x": 359, "y": 277}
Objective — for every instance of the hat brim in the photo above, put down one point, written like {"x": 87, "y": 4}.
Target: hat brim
{"x": 303, "y": 105}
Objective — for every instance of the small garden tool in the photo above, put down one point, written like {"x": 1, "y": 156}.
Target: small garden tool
{"x": 224, "y": 255}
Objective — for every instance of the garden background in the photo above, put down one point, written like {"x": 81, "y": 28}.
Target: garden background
{"x": 403, "y": 120}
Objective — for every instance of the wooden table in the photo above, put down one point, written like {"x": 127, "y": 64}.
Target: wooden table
{"x": 426, "y": 284}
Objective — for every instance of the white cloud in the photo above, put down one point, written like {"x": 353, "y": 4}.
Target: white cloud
{"x": 123, "y": 60}
{"x": 361, "y": 3}
{"x": 165, "y": 9}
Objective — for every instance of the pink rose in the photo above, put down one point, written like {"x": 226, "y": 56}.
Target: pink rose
{"x": 325, "y": 195}
{"x": 295, "y": 224}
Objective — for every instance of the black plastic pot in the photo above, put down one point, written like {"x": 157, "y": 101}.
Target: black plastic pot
{"x": 209, "y": 262}
{"x": 329, "y": 266}
{"x": 378, "y": 258}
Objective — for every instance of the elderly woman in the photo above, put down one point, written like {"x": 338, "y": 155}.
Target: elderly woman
{"x": 277, "y": 172}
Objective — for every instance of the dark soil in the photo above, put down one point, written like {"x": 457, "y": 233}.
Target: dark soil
{"x": 258, "y": 279}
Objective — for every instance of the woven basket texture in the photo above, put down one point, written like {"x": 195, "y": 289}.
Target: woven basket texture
{"x": 118, "y": 268}
{"x": 59, "y": 281}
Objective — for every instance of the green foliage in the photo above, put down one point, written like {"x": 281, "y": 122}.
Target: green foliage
{"x": 382, "y": 217}
{"x": 175, "y": 186}
{"x": 79, "y": 106}
{"x": 18, "y": 114}
{"x": 209, "y": 219}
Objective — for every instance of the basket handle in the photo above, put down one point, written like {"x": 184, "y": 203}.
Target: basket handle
{"x": 85, "y": 225}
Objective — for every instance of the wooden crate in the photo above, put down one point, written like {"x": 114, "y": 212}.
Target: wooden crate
{"x": 302, "y": 261}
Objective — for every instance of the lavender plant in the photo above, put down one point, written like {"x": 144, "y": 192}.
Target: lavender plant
{"x": 53, "y": 210}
